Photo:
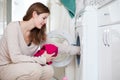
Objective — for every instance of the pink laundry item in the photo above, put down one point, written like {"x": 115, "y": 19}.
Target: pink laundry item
{"x": 65, "y": 78}
{"x": 50, "y": 49}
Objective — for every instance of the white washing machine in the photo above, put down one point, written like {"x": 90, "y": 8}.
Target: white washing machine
{"x": 86, "y": 30}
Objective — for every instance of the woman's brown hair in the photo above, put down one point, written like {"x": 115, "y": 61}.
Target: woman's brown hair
{"x": 36, "y": 35}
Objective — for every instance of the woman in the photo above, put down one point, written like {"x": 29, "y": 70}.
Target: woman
{"x": 20, "y": 41}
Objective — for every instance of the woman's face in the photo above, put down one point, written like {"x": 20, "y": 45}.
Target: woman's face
{"x": 40, "y": 20}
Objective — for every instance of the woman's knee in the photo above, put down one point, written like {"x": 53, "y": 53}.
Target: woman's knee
{"x": 47, "y": 73}
{"x": 20, "y": 71}
{"x": 49, "y": 70}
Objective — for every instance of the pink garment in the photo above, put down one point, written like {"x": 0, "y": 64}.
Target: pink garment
{"x": 50, "y": 48}
{"x": 65, "y": 78}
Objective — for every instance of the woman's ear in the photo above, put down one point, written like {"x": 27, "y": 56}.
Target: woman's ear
{"x": 34, "y": 14}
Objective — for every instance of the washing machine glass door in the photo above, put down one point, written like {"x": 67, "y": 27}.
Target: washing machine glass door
{"x": 61, "y": 37}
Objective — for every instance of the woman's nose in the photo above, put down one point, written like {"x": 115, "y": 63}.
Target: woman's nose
{"x": 43, "y": 22}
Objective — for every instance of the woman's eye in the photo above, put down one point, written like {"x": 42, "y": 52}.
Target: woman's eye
{"x": 44, "y": 18}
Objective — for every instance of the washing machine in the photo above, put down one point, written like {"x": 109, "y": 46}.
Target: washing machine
{"x": 64, "y": 62}
{"x": 86, "y": 36}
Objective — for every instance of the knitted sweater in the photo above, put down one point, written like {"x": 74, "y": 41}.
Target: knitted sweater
{"x": 13, "y": 48}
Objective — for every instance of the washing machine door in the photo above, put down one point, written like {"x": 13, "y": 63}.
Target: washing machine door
{"x": 62, "y": 37}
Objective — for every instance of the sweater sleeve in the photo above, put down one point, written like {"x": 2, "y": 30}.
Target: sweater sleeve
{"x": 64, "y": 48}
{"x": 15, "y": 53}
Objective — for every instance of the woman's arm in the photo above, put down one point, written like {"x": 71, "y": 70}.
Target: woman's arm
{"x": 64, "y": 48}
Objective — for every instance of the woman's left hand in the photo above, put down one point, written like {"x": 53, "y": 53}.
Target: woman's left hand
{"x": 49, "y": 57}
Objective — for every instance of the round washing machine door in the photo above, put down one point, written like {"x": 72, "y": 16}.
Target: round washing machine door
{"x": 62, "y": 37}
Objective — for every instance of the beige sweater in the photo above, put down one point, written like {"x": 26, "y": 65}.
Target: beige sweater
{"x": 13, "y": 48}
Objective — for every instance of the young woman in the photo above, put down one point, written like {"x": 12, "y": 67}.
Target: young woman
{"x": 20, "y": 41}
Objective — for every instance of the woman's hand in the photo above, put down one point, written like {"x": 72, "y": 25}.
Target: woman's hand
{"x": 48, "y": 56}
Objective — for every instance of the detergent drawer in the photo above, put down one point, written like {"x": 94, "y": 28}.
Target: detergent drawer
{"x": 109, "y": 14}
